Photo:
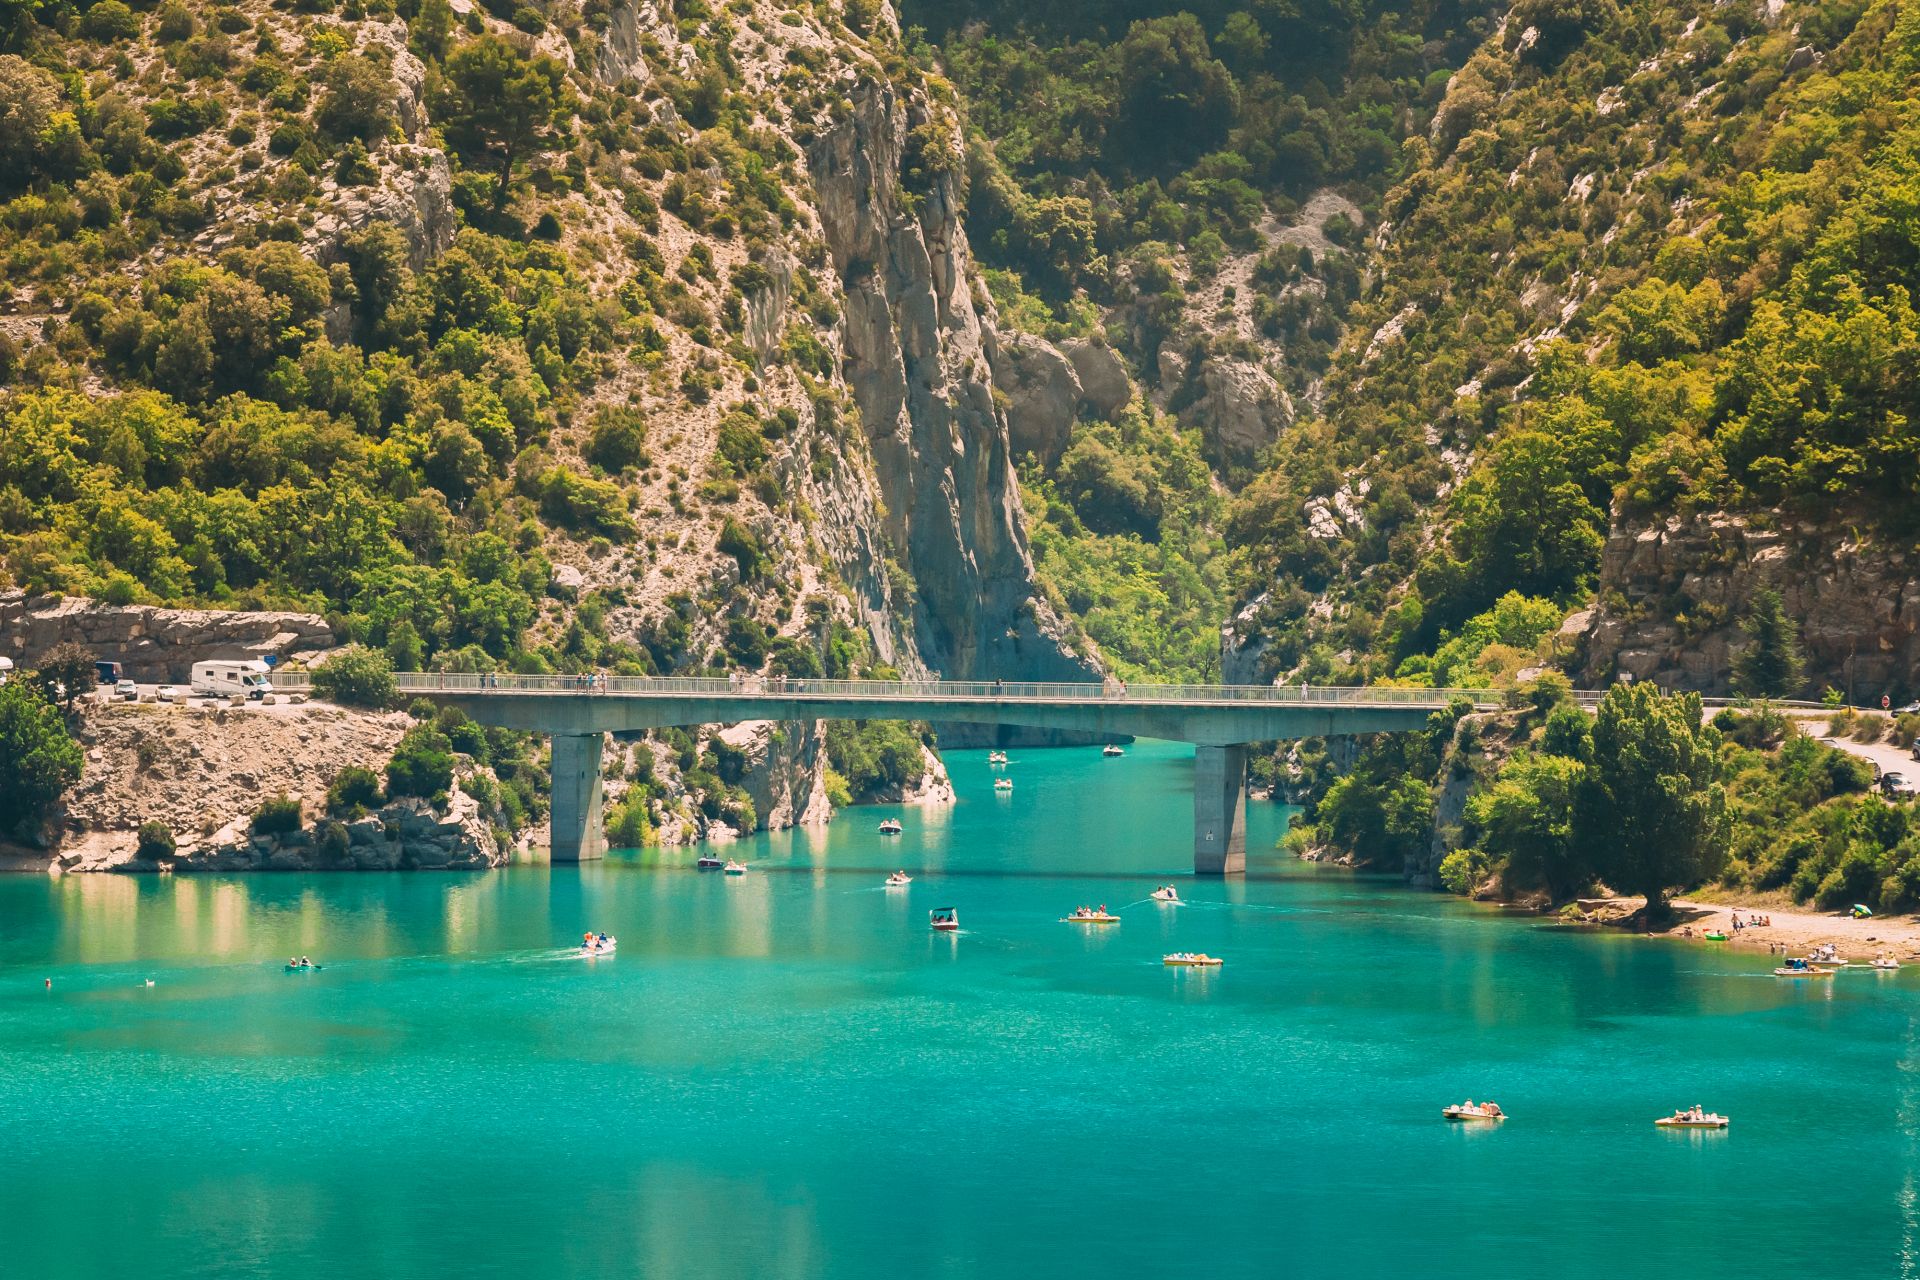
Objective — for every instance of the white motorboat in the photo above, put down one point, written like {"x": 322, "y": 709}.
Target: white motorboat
{"x": 891, "y": 827}
{"x": 598, "y": 944}
{"x": 1166, "y": 893}
{"x": 1003, "y": 784}
{"x": 1111, "y": 750}
{"x": 734, "y": 869}
{"x": 899, "y": 880}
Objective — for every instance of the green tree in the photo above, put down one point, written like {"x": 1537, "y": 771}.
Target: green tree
{"x": 66, "y": 672}
{"x": 1652, "y": 812}
{"x": 422, "y": 764}
{"x": 1770, "y": 666}
{"x": 1526, "y": 818}
{"x": 39, "y": 759}
{"x": 356, "y": 676}
{"x": 502, "y": 103}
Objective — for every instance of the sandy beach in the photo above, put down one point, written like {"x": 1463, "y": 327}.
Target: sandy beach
{"x": 1791, "y": 931}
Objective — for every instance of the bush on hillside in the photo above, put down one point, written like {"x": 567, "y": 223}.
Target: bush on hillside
{"x": 278, "y": 815}
{"x": 356, "y": 676}
{"x": 156, "y": 842}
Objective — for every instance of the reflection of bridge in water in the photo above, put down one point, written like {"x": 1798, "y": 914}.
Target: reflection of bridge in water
{"x": 1220, "y": 720}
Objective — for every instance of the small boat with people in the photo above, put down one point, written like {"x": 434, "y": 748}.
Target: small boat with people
{"x": 944, "y": 920}
{"x": 734, "y": 868}
{"x": 300, "y": 964}
{"x": 1884, "y": 962}
{"x": 1111, "y": 750}
{"x": 1714, "y": 935}
{"x": 1693, "y": 1118}
{"x": 1090, "y": 915}
{"x": 899, "y": 880}
{"x": 707, "y": 862}
{"x": 1471, "y": 1110}
{"x": 596, "y": 944}
{"x": 996, "y": 757}
{"x": 1191, "y": 960}
{"x": 891, "y": 827}
{"x": 1797, "y": 967}
{"x": 1166, "y": 893}
{"x": 1003, "y": 784}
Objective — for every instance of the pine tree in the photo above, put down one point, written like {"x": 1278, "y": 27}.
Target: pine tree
{"x": 1770, "y": 666}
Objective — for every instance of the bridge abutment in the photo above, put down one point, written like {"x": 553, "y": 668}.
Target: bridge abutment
{"x": 1220, "y": 810}
{"x": 578, "y": 833}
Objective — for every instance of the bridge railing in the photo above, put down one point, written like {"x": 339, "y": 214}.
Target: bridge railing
{"x": 429, "y": 683}
{"x": 414, "y": 683}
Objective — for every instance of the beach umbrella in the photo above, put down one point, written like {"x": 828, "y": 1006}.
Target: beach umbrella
{"x": 1860, "y": 911}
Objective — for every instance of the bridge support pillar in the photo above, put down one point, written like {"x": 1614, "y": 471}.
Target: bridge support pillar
{"x": 1220, "y": 811}
{"x": 578, "y": 835}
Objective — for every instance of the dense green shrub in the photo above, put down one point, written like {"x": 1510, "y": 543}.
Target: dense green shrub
{"x": 277, "y": 815}
{"x": 354, "y": 788}
{"x": 155, "y": 843}
{"x": 356, "y": 676}
{"x": 422, "y": 764}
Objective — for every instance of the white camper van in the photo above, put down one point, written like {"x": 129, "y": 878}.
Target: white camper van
{"x": 224, "y": 679}
{"x": 6, "y": 669}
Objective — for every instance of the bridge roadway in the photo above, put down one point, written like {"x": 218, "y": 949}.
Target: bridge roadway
{"x": 1220, "y": 720}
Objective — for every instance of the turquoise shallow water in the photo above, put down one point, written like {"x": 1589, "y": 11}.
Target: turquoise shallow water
{"x": 786, "y": 1074}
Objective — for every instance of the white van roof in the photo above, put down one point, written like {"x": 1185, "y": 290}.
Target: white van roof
{"x": 6, "y": 664}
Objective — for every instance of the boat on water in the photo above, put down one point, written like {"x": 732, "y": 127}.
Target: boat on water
{"x": 1089, "y": 915}
{"x": 1111, "y": 750}
{"x": 1827, "y": 956}
{"x": 1884, "y": 963}
{"x": 944, "y": 920}
{"x": 1166, "y": 893}
{"x": 891, "y": 827}
{"x": 302, "y": 965}
{"x": 1191, "y": 960}
{"x": 996, "y": 757}
{"x": 707, "y": 862}
{"x": 899, "y": 880}
{"x": 597, "y": 944}
{"x": 735, "y": 868}
{"x": 1693, "y": 1118}
{"x": 1796, "y": 967}
{"x": 1003, "y": 784}
{"x": 1470, "y": 1110}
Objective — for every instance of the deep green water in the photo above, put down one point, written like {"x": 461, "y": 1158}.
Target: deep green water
{"x": 788, "y": 1075}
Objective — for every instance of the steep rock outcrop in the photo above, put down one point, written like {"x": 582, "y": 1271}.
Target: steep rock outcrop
{"x": 915, "y": 360}
{"x": 786, "y": 770}
{"x": 1672, "y": 593}
{"x": 1042, "y": 393}
{"x": 1104, "y": 386}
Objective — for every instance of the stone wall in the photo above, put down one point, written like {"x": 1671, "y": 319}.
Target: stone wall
{"x": 154, "y": 644}
{"x": 1672, "y": 594}
{"x": 406, "y": 835}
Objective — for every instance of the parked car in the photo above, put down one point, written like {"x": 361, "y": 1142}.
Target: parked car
{"x": 126, "y": 690}
{"x": 170, "y": 693}
{"x": 1890, "y": 783}
{"x": 1911, "y": 709}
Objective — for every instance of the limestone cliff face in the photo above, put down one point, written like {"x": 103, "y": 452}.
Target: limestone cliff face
{"x": 1672, "y": 593}
{"x": 917, "y": 359}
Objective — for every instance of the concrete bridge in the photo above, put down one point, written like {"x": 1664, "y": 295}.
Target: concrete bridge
{"x": 1220, "y": 720}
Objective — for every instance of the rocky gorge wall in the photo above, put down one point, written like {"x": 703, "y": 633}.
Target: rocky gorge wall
{"x": 153, "y": 644}
{"x": 1673, "y": 591}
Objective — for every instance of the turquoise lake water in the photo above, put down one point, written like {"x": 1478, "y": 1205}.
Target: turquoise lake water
{"x": 787, "y": 1075}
